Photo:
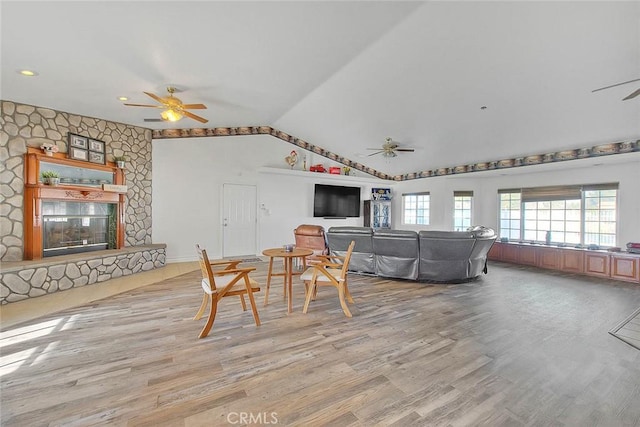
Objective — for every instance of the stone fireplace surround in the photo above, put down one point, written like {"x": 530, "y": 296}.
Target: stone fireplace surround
{"x": 23, "y": 126}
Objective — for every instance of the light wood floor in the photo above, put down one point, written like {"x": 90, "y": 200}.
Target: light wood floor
{"x": 516, "y": 348}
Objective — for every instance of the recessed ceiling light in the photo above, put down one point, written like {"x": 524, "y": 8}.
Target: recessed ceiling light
{"x": 28, "y": 73}
{"x": 123, "y": 98}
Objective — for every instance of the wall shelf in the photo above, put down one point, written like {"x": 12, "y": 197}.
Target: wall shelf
{"x": 327, "y": 176}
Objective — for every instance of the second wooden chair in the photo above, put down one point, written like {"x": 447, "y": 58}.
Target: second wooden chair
{"x": 328, "y": 273}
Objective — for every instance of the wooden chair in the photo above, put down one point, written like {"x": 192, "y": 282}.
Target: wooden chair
{"x": 226, "y": 282}
{"x": 329, "y": 273}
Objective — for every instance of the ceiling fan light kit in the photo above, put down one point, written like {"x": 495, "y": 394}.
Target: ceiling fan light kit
{"x": 174, "y": 108}
{"x": 171, "y": 115}
{"x": 390, "y": 149}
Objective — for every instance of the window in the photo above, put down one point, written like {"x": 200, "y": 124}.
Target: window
{"x": 510, "y": 214}
{"x": 560, "y": 217}
{"x": 415, "y": 208}
{"x": 462, "y": 202}
{"x": 570, "y": 214}
{"x": 600, "y": 217}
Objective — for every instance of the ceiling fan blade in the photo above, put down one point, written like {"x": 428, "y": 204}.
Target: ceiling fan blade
{"x": 154, "y": 96}
{"x": 408, "y": 150}
{"x": 373, "y": 154}
{"x": 194, "y": 106}
{"x": 617, "y": 84}
{"x": 144, "y": 105}
{"x": 632, "y": 95}
{"x": 194, "y": 117}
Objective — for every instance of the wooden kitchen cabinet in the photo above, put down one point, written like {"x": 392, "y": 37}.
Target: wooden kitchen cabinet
{"x": 549, "y": 258}
{"x": 599, "y": 263}
{"x": 625, "y": 267}
{"x": 495, "y": 253}
{"x": 596, "y": 264}
{"x": 510, "y": 253}
{"x": 528, "y": 255}
{"x": 572, "y": 261}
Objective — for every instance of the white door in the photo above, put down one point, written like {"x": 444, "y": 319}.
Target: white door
{"x": 239, "y": 220}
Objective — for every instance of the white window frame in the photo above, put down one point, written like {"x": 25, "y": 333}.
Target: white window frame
{"x": 464, "y": 214}
{"x": 510, "y": 215}
{"x": 606, "y": 221}
{"x": 598, "y": 209}
{"x": 416, "y": 206}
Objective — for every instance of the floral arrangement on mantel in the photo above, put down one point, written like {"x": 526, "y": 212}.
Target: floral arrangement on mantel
{"x": 49, "y": 148}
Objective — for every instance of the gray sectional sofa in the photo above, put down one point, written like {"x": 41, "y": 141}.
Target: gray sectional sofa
{"x": 362, "y": 257}
{"x": 440, "y": 256}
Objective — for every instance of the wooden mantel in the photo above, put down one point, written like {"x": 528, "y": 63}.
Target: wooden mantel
{"x": 35, "y": 192}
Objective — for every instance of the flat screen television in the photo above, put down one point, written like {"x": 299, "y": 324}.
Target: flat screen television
{"x": 333, "y": 201}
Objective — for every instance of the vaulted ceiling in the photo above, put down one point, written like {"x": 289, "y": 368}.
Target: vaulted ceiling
{"x": 344, "y": 75}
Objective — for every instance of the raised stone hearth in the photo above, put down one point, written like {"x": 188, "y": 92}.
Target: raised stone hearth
{"x": 29, "y": 279}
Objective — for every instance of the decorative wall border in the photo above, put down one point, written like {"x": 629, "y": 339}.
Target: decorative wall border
{"x": 536, "y": 159}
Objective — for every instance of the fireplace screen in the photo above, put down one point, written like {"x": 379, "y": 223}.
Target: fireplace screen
{"x": 71, "y": 227}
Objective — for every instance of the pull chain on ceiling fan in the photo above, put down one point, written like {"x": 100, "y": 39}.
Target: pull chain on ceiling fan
{"x": 174, "y": 109}
{"x": 390, "y": 149}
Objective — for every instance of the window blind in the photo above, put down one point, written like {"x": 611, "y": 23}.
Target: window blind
{"x": 509, "y": 190}
{"x": 463, "y": 194}
{"x": 559, "y": 192}
{"x": 597, "y": 187}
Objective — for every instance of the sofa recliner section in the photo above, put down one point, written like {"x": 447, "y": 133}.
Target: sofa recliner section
{"x": 362, "y": 257}
{"x": 478, "y": 259}
{"x": 440, "y": 256}
{"x": 444, "y": 255}
{"x": 396, "y": 253}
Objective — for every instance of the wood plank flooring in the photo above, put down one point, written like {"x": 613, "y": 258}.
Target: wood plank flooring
{"x": 519, "y": 347}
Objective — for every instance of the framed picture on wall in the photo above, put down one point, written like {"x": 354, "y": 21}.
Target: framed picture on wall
{"x": 96, "y": 157}
{"x": 78, "y": 154}
{"x": 97, "y": 146}
{"x": 78, "y": 141}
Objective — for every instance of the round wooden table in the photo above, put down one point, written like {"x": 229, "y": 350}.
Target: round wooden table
{"x": 288, "y": 270}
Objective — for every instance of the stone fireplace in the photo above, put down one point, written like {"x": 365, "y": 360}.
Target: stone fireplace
{"x": 23, "y": 130}
{"x": 81, "y": 215}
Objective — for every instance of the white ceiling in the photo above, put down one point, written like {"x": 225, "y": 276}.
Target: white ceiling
{"x": 344, "y": 75}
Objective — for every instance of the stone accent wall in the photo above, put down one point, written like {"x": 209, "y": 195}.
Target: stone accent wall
{"x": 31, "y": 279}
{"x": 23, "y": 126}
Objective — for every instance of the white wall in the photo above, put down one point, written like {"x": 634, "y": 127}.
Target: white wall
{"x": 188, "y": 175}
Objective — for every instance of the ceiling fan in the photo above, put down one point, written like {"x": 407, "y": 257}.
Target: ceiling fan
{"x": 390, "y": 149}
{"x": 630, "y": 96}
{"x": 173, "y": 107}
